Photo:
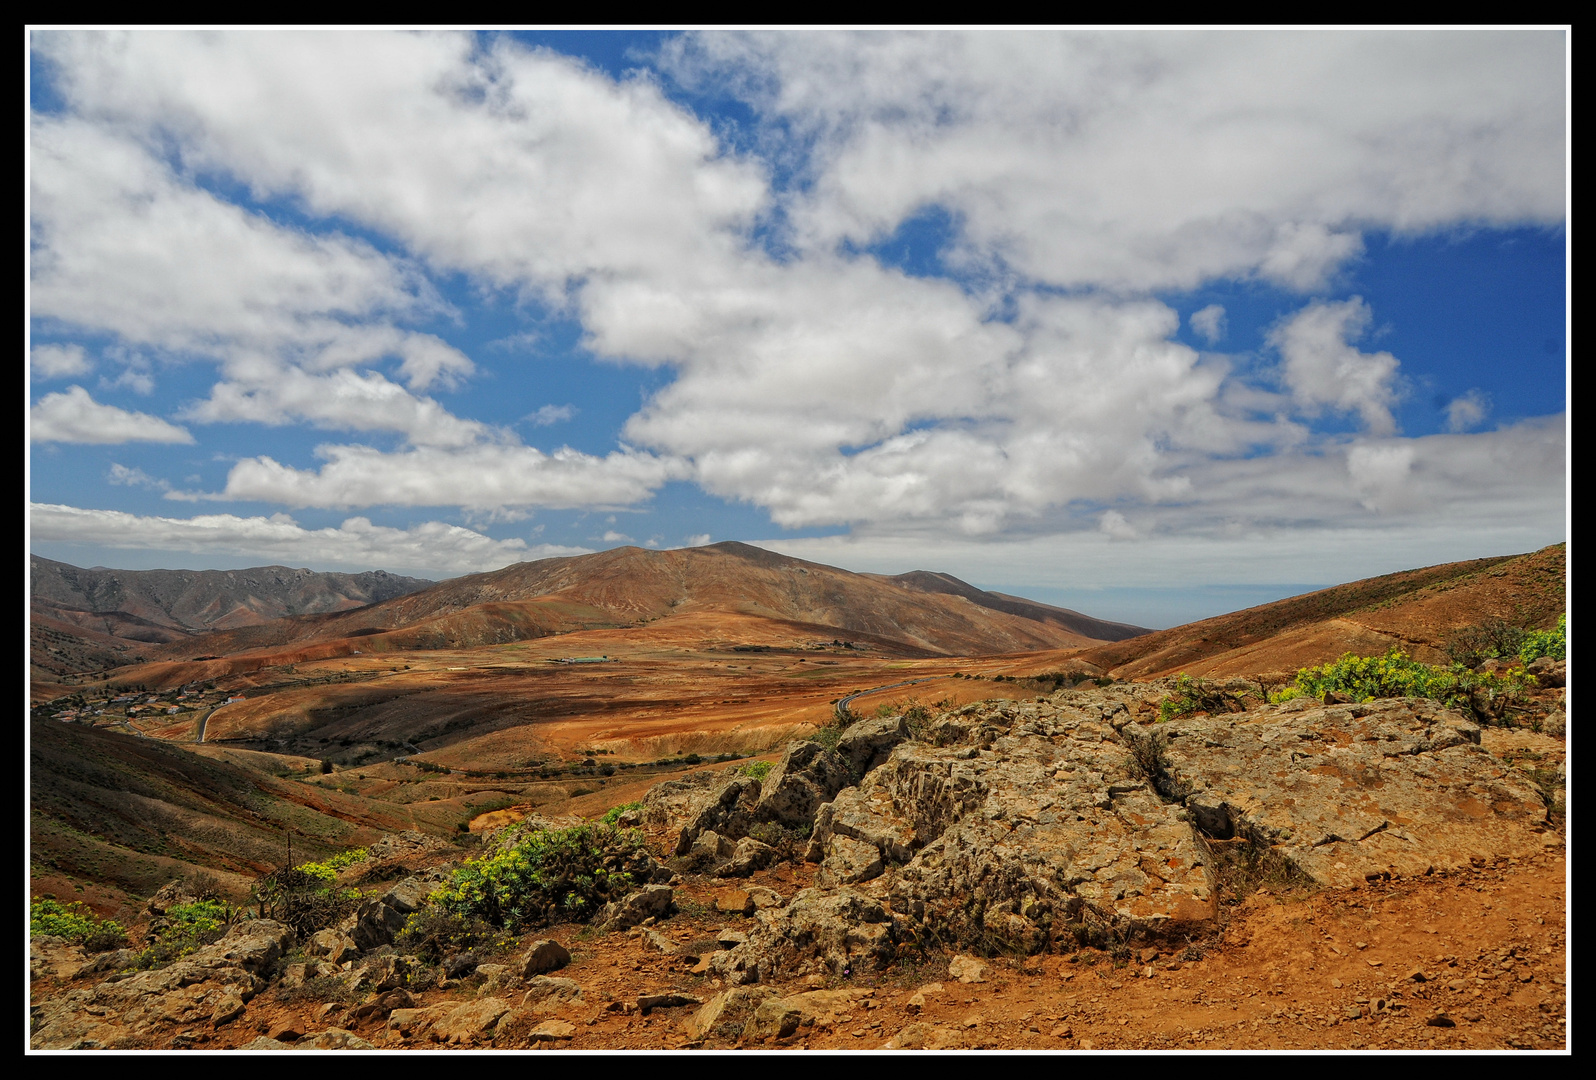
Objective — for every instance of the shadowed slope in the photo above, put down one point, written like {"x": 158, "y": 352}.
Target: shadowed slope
{"x": 134, "y": 812}
{"x": 90, "y": 620}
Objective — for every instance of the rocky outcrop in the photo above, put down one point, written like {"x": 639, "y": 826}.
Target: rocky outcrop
{"x": 210, "y": 987}
{"x": 830, "y": 931}
{"x": 1018, "y": 826}
{"x": 673, "y": 803}
{"x": 866, "y": 744}
{"x": 1347, "y": 793}
{"x": 747, "y": 856}
{"x": 727, "y": 811}
{"x": 807, "y": 776}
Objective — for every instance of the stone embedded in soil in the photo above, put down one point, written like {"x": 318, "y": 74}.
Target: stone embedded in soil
{"x": 726, "y": 1006}
{"x": 651, "y": 901}
{"x": 546, "y": 994}
{"x": 734, "y": 902}
{"x": 470, "y": 1021}
{"x": 968, "y": 969}
{"x": 552, "y": 1031}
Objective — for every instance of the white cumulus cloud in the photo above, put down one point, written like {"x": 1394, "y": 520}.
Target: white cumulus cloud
{"x": 1323, "y": 369}
{"x": 1467, "y": 411}
{"x": 478, "y": 477}
{"x": 72, "y": 416}
{"x": 58, "y": 361}
{"x": 1210, "y": 323}
{"x": 431, "y": 548}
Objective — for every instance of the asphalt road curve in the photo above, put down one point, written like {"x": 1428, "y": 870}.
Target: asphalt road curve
{"x": 842, "y": 703}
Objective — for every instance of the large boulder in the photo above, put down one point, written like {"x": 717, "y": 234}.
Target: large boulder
{"x": 1352, "y": 792}
{"x": 822, "y": 931}
{"x": 748, "y": 856}
{"x": 807, "y": 776}
{"x": 651, "y": 901}
{"x": 865, "y": 815}
{"x": 542, "y": 957}
{"x": 673, "y": 803}
{"x": 474, "y": 1021}
{"x": 728, "y": 812}
{"x": 778, "y": 1018}
{"x": 866, "y": 744}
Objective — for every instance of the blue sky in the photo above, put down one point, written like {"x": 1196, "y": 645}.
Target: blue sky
{"x": 1152, "y": 325}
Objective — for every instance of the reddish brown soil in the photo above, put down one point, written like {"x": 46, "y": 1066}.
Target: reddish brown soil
{"x": 1370, "y": 968}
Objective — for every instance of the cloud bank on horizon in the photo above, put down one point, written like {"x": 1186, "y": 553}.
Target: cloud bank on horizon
{"x": 1021, "y": 301}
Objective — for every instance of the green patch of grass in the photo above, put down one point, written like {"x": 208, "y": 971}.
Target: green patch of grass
{"x": 758, "y": 770}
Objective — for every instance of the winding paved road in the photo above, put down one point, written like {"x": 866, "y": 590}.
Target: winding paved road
{"x": 842, "y": 703}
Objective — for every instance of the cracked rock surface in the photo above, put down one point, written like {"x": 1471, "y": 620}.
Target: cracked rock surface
{"x": 1011, "y": 826}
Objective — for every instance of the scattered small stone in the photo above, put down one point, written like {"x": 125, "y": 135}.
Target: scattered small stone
{"x": 544, "y": 956}
{"x": 286, "y": 1031}
{"x": 735, "y": 902}
{"x": 648, "y": 1002}
{"x": 968, "y": 969}
{"x": 552, "y": 1031}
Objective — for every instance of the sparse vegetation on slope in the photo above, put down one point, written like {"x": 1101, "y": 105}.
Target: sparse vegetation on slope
{"x": 1485, "y": 695}
{"x": 75, "y": 923}
{"x": 1552, "y": 644}
{"x": 547, "y": 876}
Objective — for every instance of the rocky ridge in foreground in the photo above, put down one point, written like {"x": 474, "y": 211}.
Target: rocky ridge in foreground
{"x": 999, "y": 828}
{"x": 1016, "y": 827}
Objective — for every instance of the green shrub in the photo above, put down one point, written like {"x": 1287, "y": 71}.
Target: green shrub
{"x": 303, "y": 897}
{"x": 184, "y": 928}
{"x": 1493, "y": 639}
{"x": 789, "y": 842}
{"x": 327, "y": 869}
{"x": 1285, "y": 693}
{"x": 547, "y": 876}
{"x": 831, "y": 734}
{"x": 758, "y": 769}
{"x": 1195, "y": 696}
{"x": 435, "y": 934}
{"x": 613, "y": 814}
{"x": 75, "y": 923}
{"x": 1485, "y": 695}
{"x": 1552, "y": 643}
